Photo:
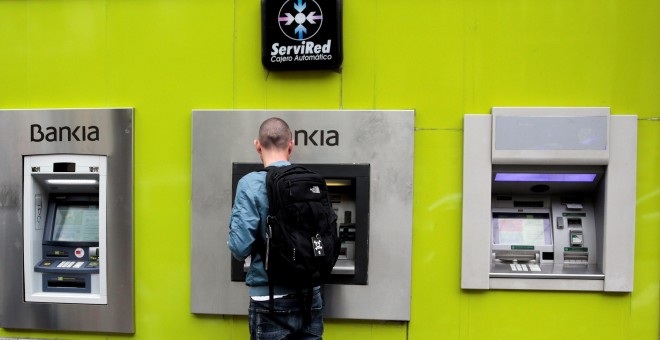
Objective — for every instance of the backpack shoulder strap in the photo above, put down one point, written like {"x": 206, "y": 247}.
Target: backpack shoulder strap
{"x": 260, "y": 244}
{"x": 270, "y": 174}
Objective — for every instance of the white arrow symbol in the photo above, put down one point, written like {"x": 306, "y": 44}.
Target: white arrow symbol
{"x": 311, "y": 17}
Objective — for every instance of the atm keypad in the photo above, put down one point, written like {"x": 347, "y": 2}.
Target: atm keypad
{"x": 67, "y": 264}
{"x": 518, "y": 267}
{"x": 70, "y": 264}
{"x": 535, "y": 267}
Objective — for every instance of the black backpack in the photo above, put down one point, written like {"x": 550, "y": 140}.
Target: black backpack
{"x": 302, "y": 245}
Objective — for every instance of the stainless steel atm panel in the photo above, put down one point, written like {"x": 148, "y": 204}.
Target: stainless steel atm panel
{"x": 371, "y": 149}
{"x": 549, "y": 200}
{"x": 73, "y": 272}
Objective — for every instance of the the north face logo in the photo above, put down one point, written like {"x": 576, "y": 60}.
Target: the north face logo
{"x": 315, "y": 189}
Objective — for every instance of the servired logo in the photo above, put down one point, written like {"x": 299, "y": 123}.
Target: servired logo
{"x": 301, "y": 34}
{"x": 300, "y": 20}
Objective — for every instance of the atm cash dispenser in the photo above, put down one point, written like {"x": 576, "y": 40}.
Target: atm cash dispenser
{"x": 64, "y": 214}
{"x": 348, "y": 185}
{"x": 549, "y": 200}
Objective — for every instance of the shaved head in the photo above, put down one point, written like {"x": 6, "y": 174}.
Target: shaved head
{"x": 274, "y": 133}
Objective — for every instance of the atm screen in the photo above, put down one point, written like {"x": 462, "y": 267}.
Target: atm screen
{"x": 76, "y": 223}
{"x": 532, "y": 229}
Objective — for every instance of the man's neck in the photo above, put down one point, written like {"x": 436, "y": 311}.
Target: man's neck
{"x": 269, "y": 159}
{"x": 273, "y": 162}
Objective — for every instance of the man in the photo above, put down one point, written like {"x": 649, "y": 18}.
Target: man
{"x": 247, "y": 232}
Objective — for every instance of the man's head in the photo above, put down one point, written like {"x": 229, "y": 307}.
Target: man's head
{"x": 274, "y": 142}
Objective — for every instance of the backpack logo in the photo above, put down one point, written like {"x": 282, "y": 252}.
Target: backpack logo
{"x": 318, "y": 246}
{"x": 315, "y": 189}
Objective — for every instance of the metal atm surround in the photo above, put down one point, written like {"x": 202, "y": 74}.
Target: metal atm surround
{"x": 536, "y": 138}
{"x": 115, "y": 140}
{"x": 344, "y": 272}
{"x": 72, "y": 269}
{"x": 382, "y": 139}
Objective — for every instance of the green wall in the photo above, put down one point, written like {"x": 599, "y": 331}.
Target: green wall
{"x": 442, "y": 58}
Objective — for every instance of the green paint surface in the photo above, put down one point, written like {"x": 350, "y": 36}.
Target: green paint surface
{"x": 442, "y": 58}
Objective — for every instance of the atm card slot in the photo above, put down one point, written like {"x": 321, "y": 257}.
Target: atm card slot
{"x": 516, "y": 255}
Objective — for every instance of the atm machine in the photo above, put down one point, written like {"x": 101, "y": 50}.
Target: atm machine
{"x": 549, "y": 200}
{"x": 66, "y": 220}
{"x": 366, "y": 158}
{"x": 544, "y": 224}
{"x": 65, "y": 228}
{"x": 348, "y": 185}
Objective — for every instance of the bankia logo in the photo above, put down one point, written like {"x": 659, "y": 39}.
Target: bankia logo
{"x": 300, "y": 20}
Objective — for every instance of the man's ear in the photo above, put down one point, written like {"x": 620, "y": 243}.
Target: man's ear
{"x": 290, "y": 146}
{"x": 257, "y": 146}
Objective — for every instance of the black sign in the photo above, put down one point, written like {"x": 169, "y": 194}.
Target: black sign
{"x": 301, "y": 34}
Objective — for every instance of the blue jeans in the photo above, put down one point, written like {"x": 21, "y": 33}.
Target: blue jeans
{"x": 287, "y": 320}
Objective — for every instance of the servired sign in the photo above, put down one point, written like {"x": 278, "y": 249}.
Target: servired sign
{"x": 301, "y": 34}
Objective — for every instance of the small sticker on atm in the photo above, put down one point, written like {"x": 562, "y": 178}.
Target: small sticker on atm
{"x": 522, "y": 247}
{"x": 583, "y": 249}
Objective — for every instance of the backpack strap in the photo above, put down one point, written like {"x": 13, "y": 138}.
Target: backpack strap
{"x": 269, "y": 190}
{"x": 264, "y": 245}
{"x": 260, "y": 242}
